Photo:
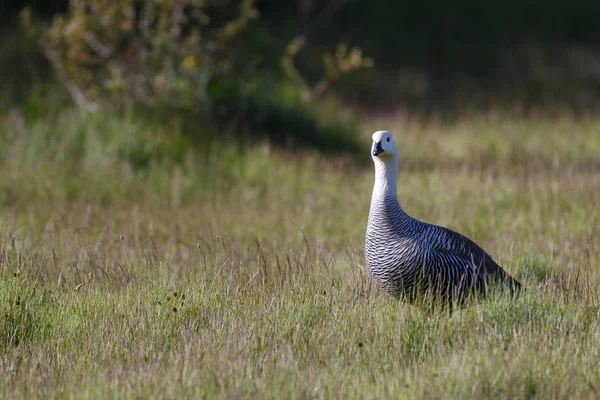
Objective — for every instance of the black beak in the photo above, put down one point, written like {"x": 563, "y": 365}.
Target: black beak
{"x": 377, "y": 150}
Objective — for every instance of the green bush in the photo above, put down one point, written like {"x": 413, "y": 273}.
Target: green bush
{"x": 156, "y": 53}
{"x": 209, "y": 57}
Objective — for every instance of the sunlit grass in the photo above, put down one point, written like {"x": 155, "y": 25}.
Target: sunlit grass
{"x": 135, "y": 262}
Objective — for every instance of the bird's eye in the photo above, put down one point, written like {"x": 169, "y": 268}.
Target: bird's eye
{"x": 388, "y": 139}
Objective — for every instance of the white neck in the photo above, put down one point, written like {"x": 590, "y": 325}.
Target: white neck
{"x": 386, "y": 177}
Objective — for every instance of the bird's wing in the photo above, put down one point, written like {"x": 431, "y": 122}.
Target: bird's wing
{"x": 451, "y": 242}
{"x": 454, "y": 268}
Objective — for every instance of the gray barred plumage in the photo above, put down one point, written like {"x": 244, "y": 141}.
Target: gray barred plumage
{"x": 408, "y": 257}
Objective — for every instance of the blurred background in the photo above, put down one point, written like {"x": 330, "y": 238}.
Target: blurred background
{"x": 302, "y": 72}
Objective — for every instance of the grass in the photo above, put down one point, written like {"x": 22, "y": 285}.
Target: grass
{"x": 135, "y": 263}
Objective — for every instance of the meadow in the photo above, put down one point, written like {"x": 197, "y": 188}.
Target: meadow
{"x": 138, "y": 262}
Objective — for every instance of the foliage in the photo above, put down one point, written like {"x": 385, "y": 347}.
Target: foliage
{"x": 158, "y": 53}
{"x": 435, "y": 57}
{"x": 198, "y": 57}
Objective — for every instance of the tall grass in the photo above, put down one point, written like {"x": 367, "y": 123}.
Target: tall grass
{"x": 135, "y": 263}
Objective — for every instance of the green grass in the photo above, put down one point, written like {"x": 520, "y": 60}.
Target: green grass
{"x": 135, "y": 263}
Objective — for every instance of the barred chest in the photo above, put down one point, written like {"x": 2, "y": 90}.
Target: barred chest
{"x": 391, "y": 256}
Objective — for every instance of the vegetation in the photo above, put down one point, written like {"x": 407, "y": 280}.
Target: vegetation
{"x": 431, "y": 57}
{"x": 194, "y": 57}
{"x": 135, "y": 264}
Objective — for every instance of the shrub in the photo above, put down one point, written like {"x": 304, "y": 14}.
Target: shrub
{"x": 193, "y": 56}
{"x": 155, "y": 52}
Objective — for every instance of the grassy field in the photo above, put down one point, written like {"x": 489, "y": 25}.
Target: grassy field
{"x": 135, "y": 262}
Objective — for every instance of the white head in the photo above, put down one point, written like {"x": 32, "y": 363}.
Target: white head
{"x": 384, "y": 147}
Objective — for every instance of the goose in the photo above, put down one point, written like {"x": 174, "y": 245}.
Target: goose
{"x": 409, "y": 258}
